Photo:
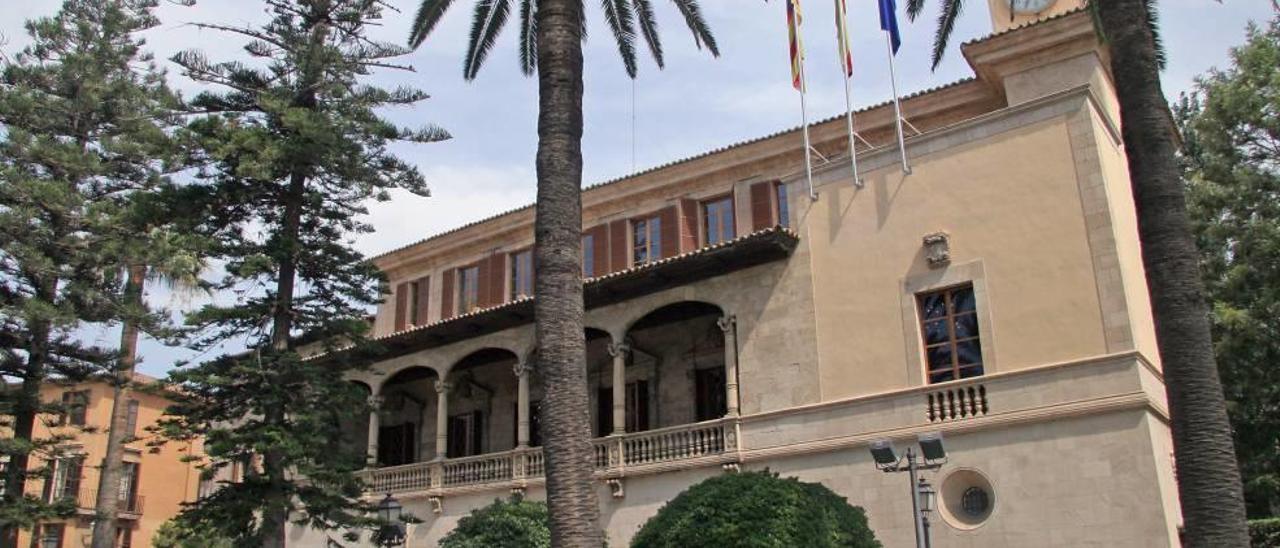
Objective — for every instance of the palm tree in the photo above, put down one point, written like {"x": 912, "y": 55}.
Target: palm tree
{"x": 1208, "y": 477}
{"x": 551, "y": 34}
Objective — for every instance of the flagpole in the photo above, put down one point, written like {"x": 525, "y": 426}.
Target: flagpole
{"x": 804, "y": 119}
{"x": 848, "y": 101}
{"x": 897, "y": 105}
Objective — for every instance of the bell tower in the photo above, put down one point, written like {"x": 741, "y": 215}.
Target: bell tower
{"x": 1006, "y": 14}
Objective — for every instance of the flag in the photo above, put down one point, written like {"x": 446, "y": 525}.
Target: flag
{"x": 889, "y": 22}
{"x": 797, "y": 47}
{"x": 842, "y": 36}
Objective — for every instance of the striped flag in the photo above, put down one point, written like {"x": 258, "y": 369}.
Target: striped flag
{"x": 797, "y": 46}
{"x": 842, "y": 35}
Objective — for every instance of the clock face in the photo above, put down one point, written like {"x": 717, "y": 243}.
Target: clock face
{"x": 1028, "y": 7}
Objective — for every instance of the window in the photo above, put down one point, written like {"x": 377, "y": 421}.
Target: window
{"x": 717, "y": 220}
{"x": 127, "y": 496}
{"x": 51, "y": 535}
{"x": 647, "y": 240}
{"x": 949, "y": 327}
{"x": 466, "y": 433}
{"x": 588, "y": 255}
{"x": 521, "y": 274}
{"x": 784, "y": 212}
{"x": 636, "y": 408}
{"x": 75, "y": 406}
{"x": 131, "y": 424}
{"x": 468, "y": 289}
{"x": 417, "y": 291}
{"x": 709, "y": 394}
{"x": 64, "y": 480}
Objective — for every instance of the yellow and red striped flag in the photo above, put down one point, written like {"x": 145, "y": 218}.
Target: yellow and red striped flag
{"x": 842, "y": 35}
{"x": 797, "y": 46}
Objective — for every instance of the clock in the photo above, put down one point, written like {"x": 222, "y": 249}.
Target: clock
{"x": 1029, "y": 7}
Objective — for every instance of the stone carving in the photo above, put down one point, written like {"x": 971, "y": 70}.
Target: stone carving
{"x": 937, "y": 249}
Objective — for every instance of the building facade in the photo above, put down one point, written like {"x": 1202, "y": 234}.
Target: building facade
{"x": 156, "y": 482}
{"x": 994, "y": 294}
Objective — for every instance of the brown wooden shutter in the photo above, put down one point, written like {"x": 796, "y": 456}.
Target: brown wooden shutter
{"x": 670, "y": 240}
{"x": 497, "y": 279}
{"x": 482, "y": 283}
{"x": 619, "y": 251}
{"x": 446, "y": 294}
{"x": 688, "y": 224}
{"x": 599, "y": 249}
{"x": 424, "y": 298}
{"x": 402, "y": 305}
{"x": 762, "y": 209}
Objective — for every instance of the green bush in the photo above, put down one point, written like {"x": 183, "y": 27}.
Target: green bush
{"x": 757, "y": 510}
{"x": 514, "y": 524}
{"x": 1264, "y": 533}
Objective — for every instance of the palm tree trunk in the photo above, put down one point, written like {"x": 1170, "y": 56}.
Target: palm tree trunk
{"x": 558, "y": 308}
{"x": 106, "y": 505}
{"x": 1208, "y": 478}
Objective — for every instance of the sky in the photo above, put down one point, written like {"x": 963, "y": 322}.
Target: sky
{"x": 697, "y": 103}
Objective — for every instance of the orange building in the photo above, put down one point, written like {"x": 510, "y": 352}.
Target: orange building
{"x": 155, "y": 483}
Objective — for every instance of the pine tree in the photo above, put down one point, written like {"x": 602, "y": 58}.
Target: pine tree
{"x": 77, "y": 131}
{"x": 295, "y": 146}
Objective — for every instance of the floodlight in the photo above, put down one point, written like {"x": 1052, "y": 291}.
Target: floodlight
{"x": 931, "y": 447}
{"x": 884, "y": 454}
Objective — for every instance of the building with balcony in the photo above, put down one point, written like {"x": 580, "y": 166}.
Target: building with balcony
{"x": 995, "y": 294}
{"x": 156, "y": 482}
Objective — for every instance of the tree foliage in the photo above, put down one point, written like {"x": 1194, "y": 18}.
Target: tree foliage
{"x": 294, "y": 145}
{"x": 515, "y": 522}
{"x": 757, "y": 509}
{"x": 1231, "y": 132}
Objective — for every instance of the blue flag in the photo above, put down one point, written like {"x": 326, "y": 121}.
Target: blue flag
{"x": 889, "y": 22}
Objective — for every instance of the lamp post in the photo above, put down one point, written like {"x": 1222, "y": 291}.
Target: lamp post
{"x": 390, "y": 513}
{"x": 923, "y": 497}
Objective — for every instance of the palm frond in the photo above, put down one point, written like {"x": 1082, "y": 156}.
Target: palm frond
{"x": 528, "y": 37}
{"x": 621, "y": 21}
{"x": 697, "y": 25}
{"x": 914, "y": 7}
{"x": 649, "y": 29}
{"x": 490, "y": 17}
{"x": 946, "y": 25}
{"x": 429, "y": 14}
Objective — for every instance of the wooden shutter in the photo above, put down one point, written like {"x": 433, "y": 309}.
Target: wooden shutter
{"x": 688, "y": 225}
{"x": 402, "y": 305}
{"x": 670, "y": 239}
{"x": 599, "y": 249}
{"x": 619, "y": 246}
{"x": 482, "y": 283}
{"x": 497, "y": 279}
{"x": 446, "y": 294}
{"x": 762, "y": 208}
{"x": 424, "y": 298}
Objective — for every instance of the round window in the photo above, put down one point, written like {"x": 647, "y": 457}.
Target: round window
{"x": 967, "y": 498}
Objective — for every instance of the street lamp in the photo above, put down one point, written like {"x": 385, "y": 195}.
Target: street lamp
{"x": 390, "y": 513}
{"x": 923, "y": 497}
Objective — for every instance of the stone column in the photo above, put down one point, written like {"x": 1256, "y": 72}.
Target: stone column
{"x": 619, "y": 352}
{"x": 442, "y": 419}
{"x": 521, "y": 370}
{"x": 371, "y": 452}
{"x": 728, "y": 324}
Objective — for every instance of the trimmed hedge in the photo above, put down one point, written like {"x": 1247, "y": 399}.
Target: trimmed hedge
{"x": 757, "y": 510}
{"x": 1264, "y": 533}
{"x": 513, "y": 523}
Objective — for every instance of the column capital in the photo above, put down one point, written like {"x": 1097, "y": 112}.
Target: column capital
{"x": 619, "y": 349}
{"x": 726, "y": 322}
{"x": 377, "y": 401}
{"x": 443, "y": 387}
{"x": 522, "y": 368}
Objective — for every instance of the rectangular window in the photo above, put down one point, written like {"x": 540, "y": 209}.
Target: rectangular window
{"x": 466, "y": 434}
{"x": 51, "y": 535}
{"x": 127, "y": 496}
{"x": 468, "y": 289}
{"x": 76, "y": 405}
{"x": 415, "y": 295}
{"x": 949, "y": 330}
{"x": 588, "y": 256}
{"x": 646, "y": 240}
{"x": 131, "y": 423}
{"x": 709, "y": 396}
{"x": 717, "y": 220}
{"x": 784, "y": 212}
{"x": 521, "y": 274}
{"x": 64, "y": 479}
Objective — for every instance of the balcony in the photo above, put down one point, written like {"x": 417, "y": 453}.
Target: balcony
{"x": 700, "y": 444}
{"x": 130, "y": 508}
